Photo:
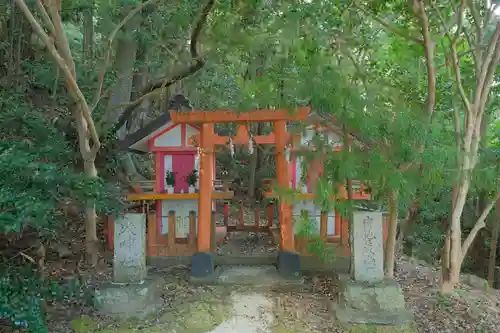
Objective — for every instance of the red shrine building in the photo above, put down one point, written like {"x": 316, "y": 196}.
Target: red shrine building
{"x": 182, "y": 197}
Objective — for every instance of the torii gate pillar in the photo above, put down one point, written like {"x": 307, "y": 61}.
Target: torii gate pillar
{"x": 203, "y": 261}
{"x": 288, "y": 259}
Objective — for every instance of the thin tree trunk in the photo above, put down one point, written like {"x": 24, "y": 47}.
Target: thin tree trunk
{"x": 445, "y": 262}
{"x": 455, "y": 238}
{"x": 409, "y": 219}
{"x": 494, "y": 244}
{"x": 446, "y": 251}
{"x": 91, "y": 240}
{"x": 88, "y": 32}
{"x": 390, "y": 244}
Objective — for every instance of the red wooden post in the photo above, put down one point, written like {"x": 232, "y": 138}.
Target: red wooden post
{"x": 151, "y": 236}
{"x": 270, "y": 214}
{"x": 192, "y": 229}
{"x": 323, "y": 226}
{"x": 226, "y": 213}
{"x": 206, "y": 187}
{"x": 213, "y": 230}
{"x": 109, "y": 231}
{"x": 171, "y": 229}
{"x": 283, "y": 181}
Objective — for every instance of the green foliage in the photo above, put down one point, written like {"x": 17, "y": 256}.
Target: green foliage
{"x": 23, "y": 293}
{"x": 426, "y": 241}
{"x": 307, "y": 229}
{"x": 170, "y": 178}
{"x": 192, "y": 177}
{"x": 20, "y": 299}
{"x": 330, "y": 55}
{"x": 37, "y": 169}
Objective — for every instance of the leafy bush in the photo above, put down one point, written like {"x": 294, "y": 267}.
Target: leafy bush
{"x": 22, "y": 293}
{"x": 38, "y": 171}
{"x": 427, "y": 240}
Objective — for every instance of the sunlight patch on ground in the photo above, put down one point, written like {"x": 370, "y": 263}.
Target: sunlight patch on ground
{"x": 252, "y": 313}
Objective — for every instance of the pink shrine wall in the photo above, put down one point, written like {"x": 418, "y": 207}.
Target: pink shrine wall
{"x": 182, "y": 166}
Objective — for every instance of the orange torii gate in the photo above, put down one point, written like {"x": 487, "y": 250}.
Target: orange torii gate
{"x": 207, "y": 142}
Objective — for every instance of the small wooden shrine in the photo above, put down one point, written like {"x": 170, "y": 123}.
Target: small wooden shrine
{"x": 184, "y": 145}
{"x": 172, "y": 228}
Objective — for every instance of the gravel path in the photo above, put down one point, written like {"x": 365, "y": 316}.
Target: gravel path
{"x": 252, "y": 313}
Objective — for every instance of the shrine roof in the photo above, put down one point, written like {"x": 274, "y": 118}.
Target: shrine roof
{"x": 137, "y": 141}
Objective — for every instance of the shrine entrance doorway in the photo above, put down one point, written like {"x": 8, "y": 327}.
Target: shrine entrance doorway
{"x": 207, "y": 142}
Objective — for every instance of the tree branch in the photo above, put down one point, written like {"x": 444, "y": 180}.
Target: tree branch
{"x": 480, "y": 223}
{"x": 485, "y": 66}
{"x": 45, "y": 17}
{"x": 429, "y": 46}
{"x": 72, "y": 85}
{"x": 492, "y": 68}
{"x": 474, "y": 50}
{"x": 387, "y": 26}
{"x": 455, "y": 57}
{"x": 458, "y": 79}
{"x": 195, "y": 66}
{"x": 460, "y": 20}
{"x": 107, "y": 56}
{"x": 60, "y": 38}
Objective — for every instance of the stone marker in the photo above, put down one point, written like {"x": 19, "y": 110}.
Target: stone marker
{"x": 369, "y": 298}
{"x": 131, "y": 293}
{"x": 129, "y": 262}
{"x": 368, "y": 248}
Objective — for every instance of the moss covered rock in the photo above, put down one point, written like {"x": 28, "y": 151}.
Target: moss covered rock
{"x": 196, "y": 317}
{"x": 83, "y": 325}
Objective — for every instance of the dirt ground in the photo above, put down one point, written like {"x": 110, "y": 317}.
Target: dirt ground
{"x": 304, "y": 309}
{"x": 228, "y": 309}
{"x": 218, "y": 309}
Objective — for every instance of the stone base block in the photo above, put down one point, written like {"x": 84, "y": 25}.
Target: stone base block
{"x": 202, "y": 265}
{"x": 130, "y": 300}
{"x": 379, "y": 303}
{"x": 289, "y": 263}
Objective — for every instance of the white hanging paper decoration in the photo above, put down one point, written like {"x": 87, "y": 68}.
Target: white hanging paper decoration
{"x": 287, "y": 153}
{"x": 197, "y": 159}
{"x": 231, "y": 147}
{"x": 250, "y": 145}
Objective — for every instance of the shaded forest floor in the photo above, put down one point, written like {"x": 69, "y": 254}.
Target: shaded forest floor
{"x": 300, "y": 309}
{"x": 194, "y": 308}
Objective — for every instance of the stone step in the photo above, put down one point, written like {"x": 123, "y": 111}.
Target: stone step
{"x": 261, "y": 276}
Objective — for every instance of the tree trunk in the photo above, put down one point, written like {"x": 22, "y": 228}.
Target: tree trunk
{"x": 408, "y": 221}
{"x": 122, "y": 90}
{"x": 494, "y": 244}
{"x": 446, "y": 285}
{"x": 91, "y": 240}
{"x": 390, "y": 244}
{"x": 453, "y": 254}
{"x": 88, "y": 32}
{"x": 126, "y": 52}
